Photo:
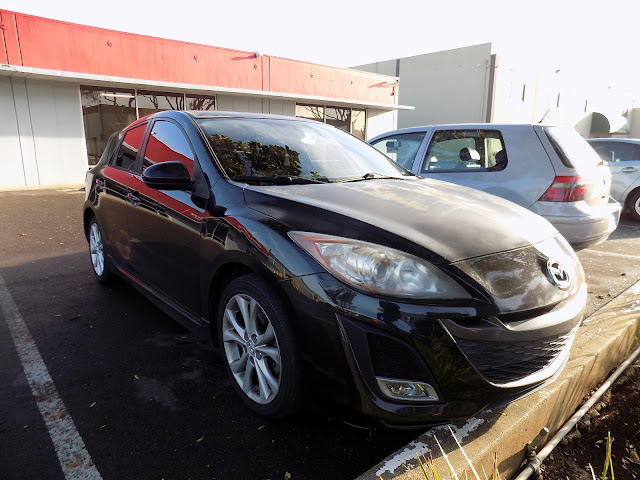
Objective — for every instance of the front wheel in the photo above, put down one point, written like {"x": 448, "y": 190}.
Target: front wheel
{"x": 99, "y": 260}
{"x": 633, "y": 205}
{"x": 258, "y": 347}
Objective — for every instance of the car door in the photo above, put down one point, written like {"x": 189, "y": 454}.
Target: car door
{"x": 624, "y": 163}
{"x": 165, "y": 225}
{"x": 112, "y": 186}
{"x": 508, "y": 161}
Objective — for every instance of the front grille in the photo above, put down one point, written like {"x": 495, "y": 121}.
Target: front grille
{"x": 506, "y": 362}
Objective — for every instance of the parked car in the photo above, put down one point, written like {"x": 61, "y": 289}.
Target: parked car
{"x": 623, "y": 158}
{"x": 327, "y": 274}
{"x": 549, "y": 170}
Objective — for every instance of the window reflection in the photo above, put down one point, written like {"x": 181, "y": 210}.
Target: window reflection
{"x": 339, "y": 117}
{"x": 312, "y": 112}
{"x": 104, "y": 112}
{"x": 350, "y": 120}
{"x": 358, "y": 123}
{"x": 167, "y": 143}
{"x": 201, "y": 102}
{"x": 129, "y": 148}
{"x": 152, "y": 102}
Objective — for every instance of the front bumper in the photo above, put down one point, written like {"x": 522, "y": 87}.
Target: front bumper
{"x": 470, "y": 355}
{"x": 583, "y": 226}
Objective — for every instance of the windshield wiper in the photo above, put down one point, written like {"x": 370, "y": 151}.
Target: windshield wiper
{"x": 369, "y": 176}
{"x": 278, "y": 179}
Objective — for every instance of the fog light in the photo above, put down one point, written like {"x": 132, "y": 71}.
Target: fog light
{"x": 407, "y": 390}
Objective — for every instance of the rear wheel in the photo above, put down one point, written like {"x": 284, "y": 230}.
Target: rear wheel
{"x": 258, "y": 347}
{"x": 99, "y": 260}
{"x": 633, "y": 205}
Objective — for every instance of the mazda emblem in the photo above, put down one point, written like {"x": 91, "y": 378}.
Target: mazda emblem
{"x": 558, "y": 275}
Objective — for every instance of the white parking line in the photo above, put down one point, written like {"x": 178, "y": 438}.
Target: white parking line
{"x": 613, "y": 254}
{"x": 72, "y": 453}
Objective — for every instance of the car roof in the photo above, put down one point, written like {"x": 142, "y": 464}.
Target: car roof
{"x": 501, "y": 126}
{"x": 622, "y": 140}
{"x": 198, "y": 114}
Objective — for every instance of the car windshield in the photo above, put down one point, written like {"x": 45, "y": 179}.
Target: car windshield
{"x": 573, "y": 150}
{"x": 278, "y": 149}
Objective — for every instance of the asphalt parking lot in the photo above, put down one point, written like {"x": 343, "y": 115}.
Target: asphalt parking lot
{"x": 149, "y": 399}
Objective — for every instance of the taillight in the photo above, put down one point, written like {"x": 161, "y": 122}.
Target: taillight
{"x": 565, "y": 189}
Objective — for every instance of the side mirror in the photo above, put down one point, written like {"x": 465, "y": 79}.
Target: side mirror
{"x": 168, "y": 176}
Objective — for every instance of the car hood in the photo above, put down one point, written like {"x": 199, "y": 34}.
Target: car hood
{"x": 452, "y": 221}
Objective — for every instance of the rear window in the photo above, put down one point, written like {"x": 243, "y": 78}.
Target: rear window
{"x": 573, "y": 150}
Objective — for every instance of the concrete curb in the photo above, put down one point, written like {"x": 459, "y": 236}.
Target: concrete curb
{"x": 604, "y": 341}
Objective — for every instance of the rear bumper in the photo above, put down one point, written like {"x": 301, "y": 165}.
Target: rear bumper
{"x": 582, "y": 225}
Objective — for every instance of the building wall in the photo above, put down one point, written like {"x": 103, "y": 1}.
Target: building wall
{"x": 41, "y": 133}
{"x": 380, "y": 121}
{"x": 43, "y": 43}
{"x": 634, "y": 124}
{"x": 445, "y": 87}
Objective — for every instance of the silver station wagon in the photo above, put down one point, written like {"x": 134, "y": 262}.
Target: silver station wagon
{"x": 550, "y": 170}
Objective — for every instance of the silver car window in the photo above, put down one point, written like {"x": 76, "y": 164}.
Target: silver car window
{"x": 401, "y": 148}
{"x": 465, "y": 150}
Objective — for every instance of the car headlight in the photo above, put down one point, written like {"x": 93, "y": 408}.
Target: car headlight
{"x": 379, "y": 269}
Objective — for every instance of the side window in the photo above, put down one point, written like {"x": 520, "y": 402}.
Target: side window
{"x": 617, "y": 151}
{"x": 465, "y": 150}
{"x": 402, "y": 148}
{"x": 623, "y": 152}
{"x": 126, "y": 156}
{"x": 168, "y": 143}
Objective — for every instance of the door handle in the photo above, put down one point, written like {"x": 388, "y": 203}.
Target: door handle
{"x": 629, "y": 169}
{"x": 133, "y": 199}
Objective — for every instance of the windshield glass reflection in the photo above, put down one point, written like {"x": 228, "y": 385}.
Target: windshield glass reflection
{"x": 250, "y": 147}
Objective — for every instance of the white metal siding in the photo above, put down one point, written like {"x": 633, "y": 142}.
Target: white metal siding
{"x": 12, "y": 170}
{"x": 42, "y": 133}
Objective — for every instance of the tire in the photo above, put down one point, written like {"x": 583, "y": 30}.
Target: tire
{"x": 263, "y": 365}
{"x": 633, "y": 205}
{"x": 99, "y": 261}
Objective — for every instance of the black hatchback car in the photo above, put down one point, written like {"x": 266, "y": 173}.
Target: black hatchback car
{"x": 327, "y": 274}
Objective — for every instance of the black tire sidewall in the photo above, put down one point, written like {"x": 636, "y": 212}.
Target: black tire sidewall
{"x": 287, "y": 400}
{"x": 631, "y": 200}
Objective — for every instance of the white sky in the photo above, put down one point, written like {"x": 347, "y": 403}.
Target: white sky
{"x": 592, "y": 42}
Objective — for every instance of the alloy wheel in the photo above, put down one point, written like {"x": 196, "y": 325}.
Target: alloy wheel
{"x": 251, "y": 348}
{"x": 96, "y": 248}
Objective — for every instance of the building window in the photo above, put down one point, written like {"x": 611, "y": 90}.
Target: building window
{"x": 201, "y": 102}
{"x": 358, "y": 123}
{"x": 104, "y": 112}
{"x": 152, "y": 102}
{"x": 312, "y": 112}
{"x": 348, "y": 119}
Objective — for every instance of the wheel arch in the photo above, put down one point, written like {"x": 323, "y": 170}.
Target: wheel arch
{"x": 233, "y": 267}
{"x": 87, "y": 215}
{"x": 629, "y": 195}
